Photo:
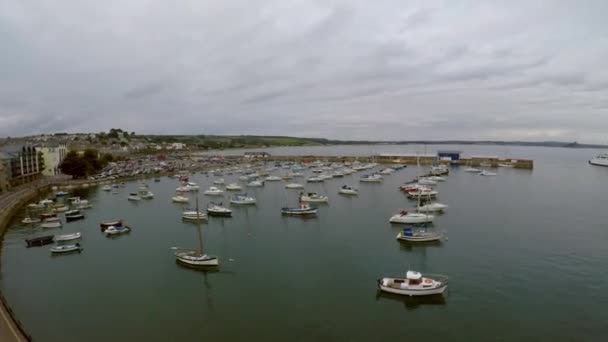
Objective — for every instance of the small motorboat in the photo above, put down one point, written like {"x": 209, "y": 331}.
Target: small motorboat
{"x": 418, "y": 235}
{"x": 472, "y": 170}
{"x": 315, "y": 180}
{"x": 313, "y": 197}
{"x": 45, "y": 216}
{"x": 106, "y": 224}
{"x": 146, "y": 194}
{"x": 422, "y": 193}
{"x": 133, "y": 197}
{"x": 374, "y": 178}
{"x": 233, "y": 187}
{"x": 213, "y": 191}
{"x": 304, "y": 210}
{"x": 39, "y": 241}
{"x": 73, "y": 215}
{"x": 411, "y": 218}
{"x": 77, "y": 201}
{"x": 219, "y": 181}
{"x": 196, "y": 258}
{"x": 68, "y": 237}
{"x": 30, "y": 220}
{"x": 216, "y": 209}
{"x": 115, "y": 230}
{"x": 386, "y": 171}
{"x": 192, "y": 215}
{"x": 487, "y": 173}
{"x": 348, "y": 190}
{"x": 432, "y": 207}
{"x": 61, "y": 193}
{"x": 426, "y": 181}
{"x": 46, "y": 202}
{"x": 66, "y": 248}
{"x": 106, "y": 188}
{"x": 294, "y": 186}
{"x": 273, "y": 178}
{"x": 255, "y": 184}
{"x": 60, "y": 209}
{"x": 242, "y": 199}
{"x": 180, "y": 199}
{"x": 51, "y": 224}
{"x": 414, "y": 284}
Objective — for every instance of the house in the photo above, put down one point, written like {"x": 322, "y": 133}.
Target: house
{"x": 53, "y": 156}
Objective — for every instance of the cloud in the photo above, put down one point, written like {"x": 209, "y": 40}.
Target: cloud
{"x": 346, "y": 69}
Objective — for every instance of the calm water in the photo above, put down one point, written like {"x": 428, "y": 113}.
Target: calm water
{"x": 527, "y": 257}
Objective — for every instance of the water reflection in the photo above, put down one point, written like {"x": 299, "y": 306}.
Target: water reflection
{"x": 412, "y": 303}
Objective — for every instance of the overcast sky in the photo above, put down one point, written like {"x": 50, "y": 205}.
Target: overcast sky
{"x": 337, "y": 69}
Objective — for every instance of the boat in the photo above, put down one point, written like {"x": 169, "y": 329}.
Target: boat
{"x": 437, "y": 178}
{"x": 315, "y": 180}
{"x": 294, "y": 186}
{"x": 196, "y": 257}
{"x": 51, "y": 224}
{"x": 45, "y": 216}
{"x": 338, "y": 174}
{"x": 243, "y": 178}
{"x": 313, "y": 197}
{"x": 193, "y": 215}
{"x": 411, "y": 218}
{"x": 426, "y": 181}
{"x": 422, "y": 192}
{"x": 178, "y": 198}
{"x": 68, "y": 237}
{"x": 39, "y": 241}
{"x": 414, "y": 284}
{"x": 485, "y": 164}
{"x": 472, "y": 170}
{"x": 432, "y": 207}
{"x": 506, "y": 165}
{"x": 60, "y": 209}
{"x": 242, "y": 199}
{"x": 233, "y": 187}
{"x": 386, "y": 171}
{"x": 133, "y": 197}
{"x": 439, "y": 170}
{"x": 216, "y": 209}
{"x": 157, "y": 180}
{"x": 600, "y": 160}
{"x": 325, "y": 176}
{"x": 36, "y": 206}
{"x": 146, "y": 194}
{"x": 411, "y": 234}
{"x": 374, "y": 178}
{"x": 304, "y": 210}
{"x": 46, "y": 201}
{"x": 77, "y": 201}
{"x": 273, "y": 178}
{"x": 66, "y": 248}
{"x": 115, "y": 230}
{"x": 348, "y": 190}
{"x": 73, "y": 215}
{"x": 213, "y": 191}
{"x": 255, "y": 184}
{"x": 219, "y": 181}
{"x": 30, "y": 220}
{"x": 105, "y": 224}
{"x": 61, "y": 193}
{"x": 106, "y": 188}
{"x": 487, "y": 173}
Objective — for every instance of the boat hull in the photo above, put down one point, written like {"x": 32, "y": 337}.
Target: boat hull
{"x": 599, "y": 162}
{"x": 411, "y": 219}
{"x": 74, "y": 217}
{"x": 39, "y": 241}
{"x": 412, "y": 292}
{"x": 420, "y": 238}
{"x": 219, "y": 213}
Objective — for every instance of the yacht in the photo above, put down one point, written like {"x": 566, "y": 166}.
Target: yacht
{"x": 294, "y": 186}
{"x": 213, "y": 191}
{"x": 218, "y": 210}
{"x": 375, "y": 178}
{"x": 600, "y": 160}
{"x": 242, "y": 199}
{"x": 348, "y": 190}
{"x": 411, "y": 218}
{"x": 233, "y": 187}
{"x": 192, "y": 214}
{"x": 410, "y": 234}
{"x": 255, "y": 184}
{"x": 313, "y": 198}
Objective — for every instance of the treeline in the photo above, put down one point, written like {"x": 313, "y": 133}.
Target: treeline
{"x": 87, "y": 164}
{"x": 221, "y": 142}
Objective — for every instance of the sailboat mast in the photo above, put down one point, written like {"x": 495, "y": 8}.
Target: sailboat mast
{"x": 198, "y": 224}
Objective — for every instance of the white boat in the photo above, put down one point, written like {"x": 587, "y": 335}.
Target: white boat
{"x": 437, "y": 178}
{"x": 304, "y": 210}
{"x": 375, "y": 178}
{"x": 255, "y": 184}
{"x": 295, "y": 174}
{"x": 472, "y": 170}
{"x": 36, "y": 206}
{"x": 242, "y": 199}
{"x": 193, "y": 215}
{"x": 106, "y": 188}
{"x": 146, "y": 194}
{"x": 46, "y": 202}
{"x": 411, "y": 218}
{"x": 426, "y": 181}
{"x": 73, "y": 215}
{"x": 68, "y": 237}
{"x": 219, "y": 181}
{"x": 243, "y": 178}
{"x": 213, "y": 191}
{"x": 273, "y": 178}
{"x": 180, "y": 199}
{"x": 77, "y": 201}
{"x": 423, "y": 193}
{"x": 432, "y": 207}
{"x": 314, "y": 180}
{"x": 509, "y": 165}
{"x": 134, "y": 197}
{"x": 61, "y": 209}
{"x": 313, "y": 197}
{"x": 51, "y": 224}
{"x": 115, "y": 230}
{"x": 29, "y": 220}
{"x": 487, "y": 173}
{"x": 66, "y": 248}
{"x": 233, "y": 187}
{"x": 600, "y": 160}
{"x": 196, "y": 258}
{"x": 348, "y": 190}
{"x": 325, "y": 176}
{"x": 216, "y": 209}
{"x": 294, "y": 186}
{"x": 386, "y": 171}
{"x": 411, "y": 234}
{"x": 414, "y": 284}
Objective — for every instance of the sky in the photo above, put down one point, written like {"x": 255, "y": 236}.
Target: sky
{"x": 351, "y": 69}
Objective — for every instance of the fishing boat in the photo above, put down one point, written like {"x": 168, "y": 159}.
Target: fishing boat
{"x": 273, "y": 178}
{"x": 348, "y": 190}
{"x": 600, "y": 160}
{"x": 242, "y": 199}
{"x": 418, "y": 235}
{"x": 233, "y": 187}
{"x": 39, "y": 241}
{"x": 66, "y": 248}
{"x": 294, "y": 186}
{"x": 196, "y": 257}
{"x": 313, "y": 197}
{"x": 374, "y": 178}
{"x": 193, "y": 215}
{"x": 115, "y": 230}
{"x": 106, "y": 224}
{"x": 68, "y": 237}
{"x": 255, "y": 184}
{"x": 213, "y": 191}
{"x": 304, "y": 210}
{"x": 106, "y": 188}
{"x": 487, "y": 173}
{"x": 216, "y": 209}
{"x": 133, "y": 197}
{"x": 219, "y": 181}
{"x": 30, "y": 220}
{"x": 414, "y": 284}
{"x": 73, "y": 215}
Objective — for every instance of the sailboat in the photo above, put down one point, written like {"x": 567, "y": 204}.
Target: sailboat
{"x": 413, "y": 218}
{"x": 196, "y": 257}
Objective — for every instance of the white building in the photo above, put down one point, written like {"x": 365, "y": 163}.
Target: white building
{"x": 53, "y": 156}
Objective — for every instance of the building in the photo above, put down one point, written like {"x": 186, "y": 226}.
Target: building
{"x": 449, "y": 155}
{"x": 21, "y": 164}
{"x": 3, "y": 179}
{"x": 53, "y": 156}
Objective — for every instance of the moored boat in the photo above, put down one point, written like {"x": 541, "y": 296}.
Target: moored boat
{"x": 195, "y": 258}
{"x": 216, "y": 209}
{"x": 294, "y": 186}
{"x": 73, "y": 215}
{"x": 30, "y": 220}
{"x": 66, "y": 248}
{"x": 411, "y": 234}
{"x": 313, "y": 197}
{"x": 115, "y": 230}
{"x": 487, "y": 173}
{"x": 414, "y": 284}
{"x": 600, "y": 160}
{"x": 374, "y": 178}
{"x": 106, "y": 224}
{"x": 411, "y": 218}
{"x": 348, "y": 190}
{"x": 178, "y": 198}
{"x": 68, "y": 237}
{"x": 193, "y": 215}
{"x": 304, "y": 210}
{"x": 255, "y": 184}
{"x": 233, "y": 187}
{"x": 213, "y": 191}
{"x": 242, "y": 199}
{"x": 134, "y": 197}
{"x": 39, "y": 241}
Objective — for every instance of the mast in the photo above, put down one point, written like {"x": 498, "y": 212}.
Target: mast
{"x": 198, "y": 225}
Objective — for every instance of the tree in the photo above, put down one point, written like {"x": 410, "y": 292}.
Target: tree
{"x": 74, "y": 165}
{"x": 91, "y": 157}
